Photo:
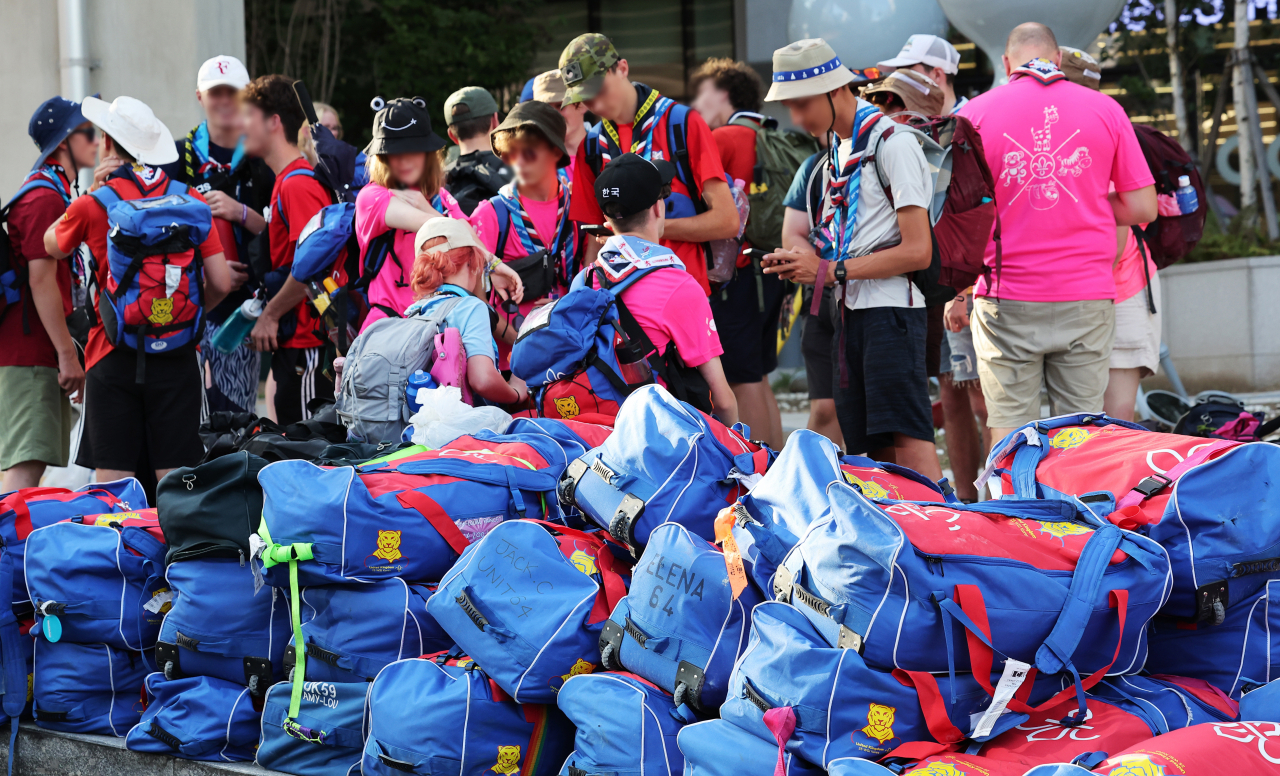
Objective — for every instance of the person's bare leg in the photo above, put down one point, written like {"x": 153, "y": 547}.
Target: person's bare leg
{"x": 776, "y": 436}
{"x": 752, "y": 410}
{"x": 26, "y": 474}
{"x": 160, "y": 473}
{"x": 918, "y": 454}
{"x": 883, "y": 455}
{"x": 979, "y": 404}
{"x": 823, "y": 420}
{"x": 110, "y": 475}
{"x": 1122, "y": 393}
{"x": 964, "y": 442}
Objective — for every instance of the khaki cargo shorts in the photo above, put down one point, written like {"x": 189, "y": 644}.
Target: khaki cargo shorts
{"x": 38, "y": 419}
{"x": 1021, "y": 346}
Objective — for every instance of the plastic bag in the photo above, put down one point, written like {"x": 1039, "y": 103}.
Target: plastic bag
{"x": 444, "y": 417}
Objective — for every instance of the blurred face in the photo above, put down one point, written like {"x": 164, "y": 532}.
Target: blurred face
{"x": 82, "y": 146}
{"x": 712, "y": 104}
{"x": 615, "y": 96}
{"x": 812, "y": 114}
{"x": 574, "y": 116}
{"x": 220, "y": 107}
{"x": 258, "y": 129}
{"x": 330, "y": 120}
{"x": 936, "y": 74}
{"x": 532, "y": 160}
{"x": 407, "y": 168}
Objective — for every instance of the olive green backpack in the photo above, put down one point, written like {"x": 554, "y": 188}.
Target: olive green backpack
{"x": 778, "y": 155}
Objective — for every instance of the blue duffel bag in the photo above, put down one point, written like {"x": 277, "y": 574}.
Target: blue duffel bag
{"x": 99, "y": 580}
{"x": 220, "y": 627}
{"x": 665, "y": 461}
{"x": 528, "y": 602}
{"x": 88, "y": 688}
{"x": 684, "y": 621}
{"x": 353, "y": 632}
{"x": 1240, "y": 654}
{"x": 625, "y": 726}
{"x": 197, "y": 718}
{"x": 910, "y": 585}
{"x": 444, "y": 717}
{"x": 720, "y": 748}
{"x": 328, "y": 737}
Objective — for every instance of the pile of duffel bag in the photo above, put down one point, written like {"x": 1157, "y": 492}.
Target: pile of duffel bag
{"x": 667, "y": 596}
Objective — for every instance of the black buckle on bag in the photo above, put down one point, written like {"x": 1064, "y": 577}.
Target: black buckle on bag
{"x": 688, "y": 689}
{"x": 623, "y": 525}
{"x": 568, "y": 484}
{"x": 754, "y": 697}
{"x": 1152, "y": 484}
{"x": 639, "y": 636}
{"x": 611, "y": 636}
{"x": 257, "y": 674}
{"x": 1211, "y": 602}
{"x": 168, "y": 660}
{"x": 465, "y": 602}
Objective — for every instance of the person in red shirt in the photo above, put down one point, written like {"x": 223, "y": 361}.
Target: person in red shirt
{"x": 748, "y": 307}
{"x": 39, "y": 363}
{"x": 636, "y": 119}
{"x": 288, "y": 326}
{"x": 118, "y": 410}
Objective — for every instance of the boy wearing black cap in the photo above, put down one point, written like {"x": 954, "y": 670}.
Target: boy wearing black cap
{"x": 670, "y": 307}
{"x": 39, "y": 362}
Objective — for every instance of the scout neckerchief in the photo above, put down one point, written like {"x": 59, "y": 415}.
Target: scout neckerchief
{"x": 197, "y": 160}
{"x": 622, "y": 255}
{"x": 844, "y": 184}
{"x": 653, "y": 107}
{"x": 561, "y": 246}
{"x": 1040, "y": 69}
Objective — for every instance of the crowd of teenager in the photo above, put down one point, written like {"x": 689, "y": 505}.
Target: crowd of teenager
{"x": 593, "y": 167}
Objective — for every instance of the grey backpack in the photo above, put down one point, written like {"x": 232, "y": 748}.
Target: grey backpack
{"x": 371, "y": 403}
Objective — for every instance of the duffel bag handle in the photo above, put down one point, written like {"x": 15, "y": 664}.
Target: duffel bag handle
{"x": 614, "y": 587}
{"x": 436, "y": 516}
{"x": 932, "y": 705}
{"x": 1152, "y": 485}
{"x": 1055, "y": 653}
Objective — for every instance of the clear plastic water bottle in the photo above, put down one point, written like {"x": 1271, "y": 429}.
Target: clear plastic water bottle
{"x": 238, "y": 325}
{"x": 418, "y": 381}
{"x": 1188, "y": 202}
{"x": 724, "y": 253}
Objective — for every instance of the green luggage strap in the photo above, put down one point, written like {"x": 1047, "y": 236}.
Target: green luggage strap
{"x": 272, "y": 555}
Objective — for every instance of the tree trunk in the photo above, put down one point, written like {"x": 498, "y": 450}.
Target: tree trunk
{"x": 1240, "y": 80}
{"x": 1175, "y": 75}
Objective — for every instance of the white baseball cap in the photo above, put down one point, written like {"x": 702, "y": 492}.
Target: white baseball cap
{"x": 134, "y": 126}
{"x": 222, "y": 70}
{"x": 926, "y": 50}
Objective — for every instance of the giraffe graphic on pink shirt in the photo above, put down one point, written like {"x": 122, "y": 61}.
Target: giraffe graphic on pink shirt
{"x": 1043, "y": 171}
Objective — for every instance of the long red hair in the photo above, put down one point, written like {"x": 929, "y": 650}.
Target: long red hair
{"x": 431, "y": 268}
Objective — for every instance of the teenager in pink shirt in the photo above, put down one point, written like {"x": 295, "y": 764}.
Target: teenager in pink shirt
{"x": 405, "y": 189}
{"x": 1047, "y": 314}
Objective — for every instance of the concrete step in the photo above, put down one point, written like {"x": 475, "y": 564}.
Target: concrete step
{"x": 50, "y": 753}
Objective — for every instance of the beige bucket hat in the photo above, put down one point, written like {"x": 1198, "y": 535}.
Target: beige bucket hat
{"x": 806, "y": 68}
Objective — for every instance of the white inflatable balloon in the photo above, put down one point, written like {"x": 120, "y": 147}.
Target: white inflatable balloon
{"x": 989, "y": 22}
{"x": 864, "y": 32}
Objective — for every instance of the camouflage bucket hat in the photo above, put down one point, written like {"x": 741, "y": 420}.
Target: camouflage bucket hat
{"x": 583, "y": 64}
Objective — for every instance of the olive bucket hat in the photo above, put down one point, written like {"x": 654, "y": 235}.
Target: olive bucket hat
{"x": 402, "y": 126}
{"x": 542, "y": 117}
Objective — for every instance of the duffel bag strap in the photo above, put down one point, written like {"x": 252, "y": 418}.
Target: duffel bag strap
{"x": 932, "y": 704}
{"x": 614, "y": 587}
{"x": 291, "y": 554}
{"x": 436, "y": 516}
{"x": 1155, "y": 483}
{"x": 1086, "y": 582}
{"x": 781, "y": 722}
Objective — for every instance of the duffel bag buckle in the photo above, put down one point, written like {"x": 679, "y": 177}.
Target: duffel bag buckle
{"x": 1152, "y": 484}
{"x": 849, "y": 640}
{"x": 567, "y": 487}
{"x": 688, "y": 689}
{"x": 782, "y": 582}
{"x": 611, "y": 645}
{"x": 623, "y": 525}
{"x": 1211, "y": 602}
{"x": 168, "y": 660}
{"x": 257, "y": 674}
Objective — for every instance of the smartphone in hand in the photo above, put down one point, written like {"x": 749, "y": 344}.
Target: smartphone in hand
{"x": 597, "y": 230}
{"x": 759, "y": 255}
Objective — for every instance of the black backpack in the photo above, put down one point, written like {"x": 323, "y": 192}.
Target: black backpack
{"x": 476, "y": 177}
{"x": 210, "y": 510}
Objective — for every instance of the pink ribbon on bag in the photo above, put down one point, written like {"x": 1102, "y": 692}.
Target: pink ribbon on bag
{"x": 782, "y": 723}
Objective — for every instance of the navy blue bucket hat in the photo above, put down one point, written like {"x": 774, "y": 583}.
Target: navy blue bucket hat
{"x": 53, "y": 122}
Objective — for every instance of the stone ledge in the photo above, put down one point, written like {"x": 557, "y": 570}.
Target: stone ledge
{"x": 51, "y": 753}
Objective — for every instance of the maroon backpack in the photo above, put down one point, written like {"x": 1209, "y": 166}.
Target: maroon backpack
{"x": 1170, "y": 238}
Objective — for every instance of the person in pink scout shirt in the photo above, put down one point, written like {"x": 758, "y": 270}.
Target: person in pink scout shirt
{"x": 1046, "y": 313}
{"x": 549, "y": 88}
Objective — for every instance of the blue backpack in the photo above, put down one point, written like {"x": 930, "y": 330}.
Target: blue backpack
{"x": 792, "y": 496}
{"x": 1185, "y": 492}
{"x": 153, "y": 301}
{"x": 223, "y": 625}
{"x": 99, "y": 580}
{"x": 13, "y": 280}
{"x": 354, "y": 632}
{"x": 461, "y": 724}
{"x": 1041, "y": 582}
{"x": 88, "y": 688}
{"x": 1239, "y": 655}
{"x": 718, "y": 747}
{"x": 585, "y": 354}
{"x": 685, "y": 620}
{"x": 665, "y": 462}
{"x": 625, "y": 726}
{"x": 1262, "y": 703}
{"x": 197, "y": 718}
{"x": 321, "y": 241}
{"x": 329, "y": 739}
{"x": 528, "y": 602}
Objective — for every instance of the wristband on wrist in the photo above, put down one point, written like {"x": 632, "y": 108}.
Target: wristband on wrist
{"x": 244, "y": 214}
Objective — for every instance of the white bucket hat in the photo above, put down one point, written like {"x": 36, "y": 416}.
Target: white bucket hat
{"x": 806, "y": 68}
{"x": 134, "y": 126}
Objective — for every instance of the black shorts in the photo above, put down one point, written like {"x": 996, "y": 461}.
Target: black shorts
{"x": 748, "y": 334}
{"x": 888, "y": 392}
{"x": 933, "y": 337}
{"x": 299, "y": 379}
{"x": 816, "y": 340}
{"x": 118, "y": 412}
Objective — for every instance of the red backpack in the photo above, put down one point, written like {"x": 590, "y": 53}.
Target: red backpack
{"x": 1170, "y": 238}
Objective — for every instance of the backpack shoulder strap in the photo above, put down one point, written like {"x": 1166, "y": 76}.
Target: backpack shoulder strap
{"x": 279, "y": 209}
{"x": 106, "y": 196}
{"x": 592, "y": 149}
{"x": 678, "y": 142}
{"x": 29, "y": 186}
{"x": 176, "y": 187}
{"x": 503, "y": 214}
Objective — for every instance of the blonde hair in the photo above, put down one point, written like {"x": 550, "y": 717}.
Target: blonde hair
{"x": 305, "y": 145}
{"x": 430, "y": 269}
{"x": 429, "y": 184}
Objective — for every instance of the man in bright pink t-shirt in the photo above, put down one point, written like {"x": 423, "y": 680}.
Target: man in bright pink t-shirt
{"x": 1046, "y": 313}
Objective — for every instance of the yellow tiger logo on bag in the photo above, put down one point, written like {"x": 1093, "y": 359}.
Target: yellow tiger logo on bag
{"x": 388, "y": 546}
{"x": 578, "y": 668}
{"x": 161, "y": 311}
{"x": 879, "y": 722}
{"x": 1069, "y": 438}
{"x": 508, "y": 760}
{"x": 583, "y": 562}
{"x": 1140, "y": 765}
{"x": 939, "y": 769}
{"x": 568, "y": 407}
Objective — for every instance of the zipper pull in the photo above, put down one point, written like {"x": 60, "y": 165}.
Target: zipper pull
{"x": 241, "y": 558}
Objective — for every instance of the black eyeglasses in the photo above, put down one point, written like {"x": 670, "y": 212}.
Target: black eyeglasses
{"x": 90, "y": 133}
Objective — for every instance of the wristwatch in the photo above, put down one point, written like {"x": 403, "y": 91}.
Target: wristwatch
{"x": 841, "y": 274}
